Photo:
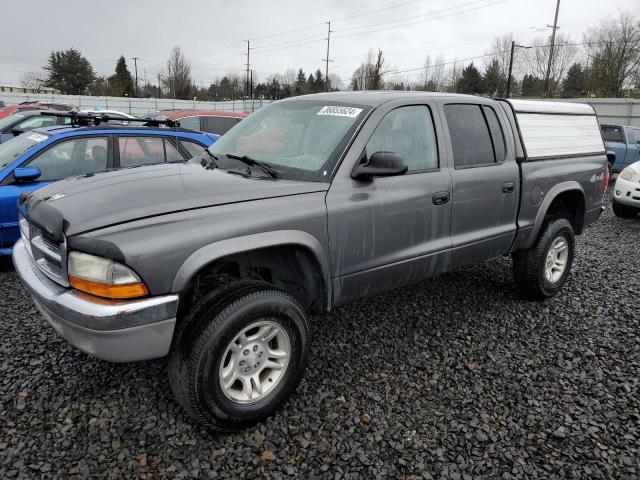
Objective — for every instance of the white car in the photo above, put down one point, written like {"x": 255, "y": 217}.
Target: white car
{"x": 111, "y": 113}
{"x": 626, "y": 193}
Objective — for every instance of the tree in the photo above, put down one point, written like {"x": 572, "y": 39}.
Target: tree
{"x": 69, "y": 71}
{"x": 368, "y": 76}
{"x": 178, "y": 76}
{"x": 574, "y": 84}
{"x": 433, "y": 75}
{"x": 563, "y": 55}
{"x": 495, "y": 82}
{"x": 121, "y": 82}
{"x": 614, "y": 50}
{"x": 33, "y": 81}
{"x": 532, "y": 86}
{"x": 301, "y": 86}
{"x": 470, "y": 80}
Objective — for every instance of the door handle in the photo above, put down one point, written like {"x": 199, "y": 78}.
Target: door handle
{"x": 508, "y": 187}
{"x": 440, "y": 198}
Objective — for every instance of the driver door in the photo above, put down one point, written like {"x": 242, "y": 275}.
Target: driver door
{"x": 388, "y": 231}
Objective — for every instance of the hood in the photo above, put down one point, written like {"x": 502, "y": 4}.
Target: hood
{"x": 102, "y": 199}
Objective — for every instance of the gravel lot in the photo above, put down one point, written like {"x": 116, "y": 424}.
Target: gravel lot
{"x": 451, "y": 378}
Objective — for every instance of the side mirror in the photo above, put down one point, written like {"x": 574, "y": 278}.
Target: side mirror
{"x": 17, "y": 131}
{"x": 611, "y": 156}
{"x": 380, "y": 164}
{"x": 26, "y": 174}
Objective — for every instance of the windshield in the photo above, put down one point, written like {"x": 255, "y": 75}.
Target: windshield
{"x": 14, "y": 148}
{"x": 5, "y": 122}
{"x": 300, "y": 139}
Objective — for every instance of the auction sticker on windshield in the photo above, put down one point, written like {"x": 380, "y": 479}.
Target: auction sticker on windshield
{"x": 338, "y": 111}
{"x": 37, "y": 137}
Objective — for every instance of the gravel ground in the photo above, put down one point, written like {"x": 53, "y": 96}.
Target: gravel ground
{"x": 450, "y": 378}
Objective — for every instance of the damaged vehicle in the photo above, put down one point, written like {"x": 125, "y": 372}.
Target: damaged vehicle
{"x": 310, "y": 202}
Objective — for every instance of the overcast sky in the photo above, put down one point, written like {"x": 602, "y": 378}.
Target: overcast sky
{"x": 212, "y": 34}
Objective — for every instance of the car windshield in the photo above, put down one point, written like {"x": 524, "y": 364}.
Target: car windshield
{"x": 300, "y": 139}
{"x": 14, "y": 148}
{"x": 5, "y": 122}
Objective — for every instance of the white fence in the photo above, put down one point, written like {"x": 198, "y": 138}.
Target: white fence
{"x": 132, "y": 106}
{"x": 617, "y": 111}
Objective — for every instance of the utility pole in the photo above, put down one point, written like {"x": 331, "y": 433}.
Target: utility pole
{"x": 159, "y": 87}
{"x": 326, "y": 60}
{"x": 247, "y": 83}
{"x": 513, "y": 48}
{"x": 553, "y": 42}
{"x": 135, "y": 63}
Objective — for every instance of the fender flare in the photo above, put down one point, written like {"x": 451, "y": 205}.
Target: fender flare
{"x": 217, "y": 250}
{"x": 548, "y": 200}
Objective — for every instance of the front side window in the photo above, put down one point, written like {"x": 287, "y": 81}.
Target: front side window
{"x": 69, "y": 158}
{"x": 612, "y": 134}
{"x": 409, "y": 132}
{"x": 300, "y": 139}
{"x": 194, "y": 149}
{"x": 18, "y": 146}
{"x": 470, "y": 136}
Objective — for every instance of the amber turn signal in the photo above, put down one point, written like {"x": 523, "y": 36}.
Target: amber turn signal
{"x": 131, "y": 290}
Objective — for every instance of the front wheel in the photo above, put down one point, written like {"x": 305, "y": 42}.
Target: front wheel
{"x": 541, "y": 271}
{"x": 624, "y": 211}
{"x": 239, "y": 359}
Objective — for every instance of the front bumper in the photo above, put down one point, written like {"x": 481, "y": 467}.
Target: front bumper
{"x": 626, "y": 192}
{"x": 111, "y": 330}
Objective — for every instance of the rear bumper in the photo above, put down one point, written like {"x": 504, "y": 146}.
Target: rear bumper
{"x": 114, "y": 331}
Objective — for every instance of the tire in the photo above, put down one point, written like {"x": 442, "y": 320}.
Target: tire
{"x": 530, "y": 266}
{"x": 203, "y": 344}
{"x": 624, "y": 211}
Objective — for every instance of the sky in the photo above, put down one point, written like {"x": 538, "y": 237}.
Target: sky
{"x": 282, "y": 33}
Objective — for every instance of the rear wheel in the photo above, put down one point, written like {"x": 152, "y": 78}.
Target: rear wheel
{"x": 238, "y": 359}
{"x": 541, "y": 271}
{"x": 624, "y": 211}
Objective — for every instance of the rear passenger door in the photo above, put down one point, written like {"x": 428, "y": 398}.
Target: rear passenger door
{"x": 138, "y": 150}
{"x": 485, "y": 179}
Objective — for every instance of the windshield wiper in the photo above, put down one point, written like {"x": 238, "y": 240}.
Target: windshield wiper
{"x": 268, "y": 169}
{"x": 210, "y": 163}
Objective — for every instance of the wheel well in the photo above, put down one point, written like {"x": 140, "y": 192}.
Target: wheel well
{"x": 291, "y": 268}
{"x": 569, "y": 205}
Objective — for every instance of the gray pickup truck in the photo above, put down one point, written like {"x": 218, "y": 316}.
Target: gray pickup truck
{"x": 309, "y": 203}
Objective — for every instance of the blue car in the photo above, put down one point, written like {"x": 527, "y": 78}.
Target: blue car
{"x": 44, "y": 155}
{"x": 624, "y": 142}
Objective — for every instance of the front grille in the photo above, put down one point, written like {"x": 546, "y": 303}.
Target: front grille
{"x": 49, "y": 256}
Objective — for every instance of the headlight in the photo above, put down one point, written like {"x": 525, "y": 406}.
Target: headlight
{"x": 104, "y": 278}
{"x": 629, "y": 174}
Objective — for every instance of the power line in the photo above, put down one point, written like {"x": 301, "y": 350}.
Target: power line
{"x": 495, "y": 2}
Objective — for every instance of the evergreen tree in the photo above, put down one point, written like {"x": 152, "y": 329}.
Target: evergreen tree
{"x": 121, "y": 82}
{"x": 532, "y": 86}
{"x": 69, "y": 71}
{"x": 495, "y": 83}
{"x": 470, "y": 80}
{"x": 574, "y": 84}
{"x": 301, "y": 86}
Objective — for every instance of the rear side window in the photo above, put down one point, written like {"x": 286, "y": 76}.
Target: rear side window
{"x": 612, "y": 134}
{"x": 497, "y": 136}
{"x": 190, "y": 123}
{"x": 470, "y": 136}
{"x": 135, "y": 151}
{"x": 219, "y": 125}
